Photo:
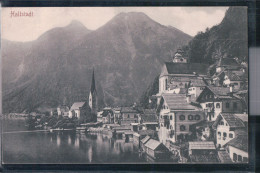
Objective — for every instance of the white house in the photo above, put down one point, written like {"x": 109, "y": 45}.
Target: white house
{"x": 228, "y": 126}
{"x": 176, "y": 116}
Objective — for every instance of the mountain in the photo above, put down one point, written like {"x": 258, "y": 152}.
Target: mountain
{"x": 126, "y": 53}
{"x": 227, "y": 39}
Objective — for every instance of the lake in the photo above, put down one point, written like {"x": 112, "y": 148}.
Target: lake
{"x": 66, "y": 147}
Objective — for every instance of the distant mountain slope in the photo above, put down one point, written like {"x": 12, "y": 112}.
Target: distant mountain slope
{"x": 127, "y": 53}
{"x": 229, "y": 38}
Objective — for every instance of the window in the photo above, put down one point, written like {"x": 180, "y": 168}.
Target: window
{"x": 181, "y": 59}
{"x": 182, "y": 128}
{"x": 190, "y": 117}
{"x": 218, "y": 105}
{"x": 230, "y": 135}
{"x": 227, "y": 105}
{"x": 128, "y": 116}
{"x": 235, "y": 105}
{"x": 171, "y": 117}
{"x": 245, "y": 159}
{"x": 224, "y": 134}
{"x": 239, "y": 158}
{"x": 219, "y": 133}
{"x": 197, "y": 117}
{"x": 221, "y": 123}
{"x": 182, "y": 117}
{"x": 234, "y": 157}
{"x": 201, "y": 88}
{"x": 166, "y": 85}
{"x": 193, "y": 88}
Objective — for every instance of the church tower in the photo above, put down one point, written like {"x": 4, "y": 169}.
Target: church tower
{"x": 93, "y": 104}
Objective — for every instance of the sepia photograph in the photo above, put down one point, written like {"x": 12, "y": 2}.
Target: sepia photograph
{"x": 116, "y": 85}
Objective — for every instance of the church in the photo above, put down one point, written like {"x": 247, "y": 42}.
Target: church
{"x": 86, "y": 111}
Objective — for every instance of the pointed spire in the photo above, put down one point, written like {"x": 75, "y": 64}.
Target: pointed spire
{"x": 93, "y": 85}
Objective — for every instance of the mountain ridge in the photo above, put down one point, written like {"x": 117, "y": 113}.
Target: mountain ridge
{"x": 126, "y": 57}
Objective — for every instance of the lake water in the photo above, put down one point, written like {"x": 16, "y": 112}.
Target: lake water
{"x": 45, "y": 147}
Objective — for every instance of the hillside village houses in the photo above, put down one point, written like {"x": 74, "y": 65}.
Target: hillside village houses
{"x": 195, "y": 113}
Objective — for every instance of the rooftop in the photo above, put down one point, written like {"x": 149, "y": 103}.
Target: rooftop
{"x": 128, "y": 110}
{"x": 186, "y": 68}
{"x": 219, "y": 91}
{"x": 233, "y": 76}
{"x": 198, "y": 83}
{"x": 227, "y": 62}
{"x": 144, "y": 140}
{"x": 149, "y": 118}
{"x": 239, "y": 142}
{"x": 202, "y": 145}
{"x": 177, "y": 102}
{"x": 232, "y": 120}
{"x": 152, "y": 144}
{"x": 77, "y": 105}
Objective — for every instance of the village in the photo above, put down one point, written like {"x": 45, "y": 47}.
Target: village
{"x": 198, "y": 118}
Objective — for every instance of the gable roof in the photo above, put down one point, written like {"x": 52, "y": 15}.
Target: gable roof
{"x": 152, "y": 144}
{"x": 202, "y": 145}
{"x": 77, "y": 105}
{"x": 243, "y": 117}
{"x": 198, "y": 83}
{"x": 144, "y": 140}
{"x": 233, "y": 76}
{"x": 240, "y": 142}
{"x": 227, "y": 62}
{"x": 219, "y": 91}
{"x": 186, "y": 68}
{"x": 232, "y": 120}
{"x": 128, "y": 110}
{"x": 177, "y": 102}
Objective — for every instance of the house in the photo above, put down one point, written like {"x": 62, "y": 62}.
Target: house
{"x": 107, "y": 116}
{"x": 238, "y": 148}
{"x": 176, "y": 116}
{"x": 149, "y": 119}
{"x": 228, "y": 126}
{"x": 227, "y": 64}
{"x": 100, "y": 117}
{"x": 128, "y": 116}
{"x": 117, "y": 115}
{"x": 156, "y": 150}
{"x": 216, "y": 100}
{"x": 196, "y": 86}
{"x": 203, "y": 152}
{"x": 233, "y": 79}
{"x": 63, "y": 110}
{"x": 144, "y": 141}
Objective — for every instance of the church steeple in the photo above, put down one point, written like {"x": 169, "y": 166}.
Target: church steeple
{"x": 93, "y": 95}
{"x": 93, "y": 84}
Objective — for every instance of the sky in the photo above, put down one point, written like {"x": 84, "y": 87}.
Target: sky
{"x": 190, "y": 20}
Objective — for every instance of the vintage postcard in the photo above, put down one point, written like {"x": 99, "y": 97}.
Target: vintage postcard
{"x": 87, "y": 85}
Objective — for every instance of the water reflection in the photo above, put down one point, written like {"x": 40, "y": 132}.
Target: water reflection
{"x": 65, "y": 147}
